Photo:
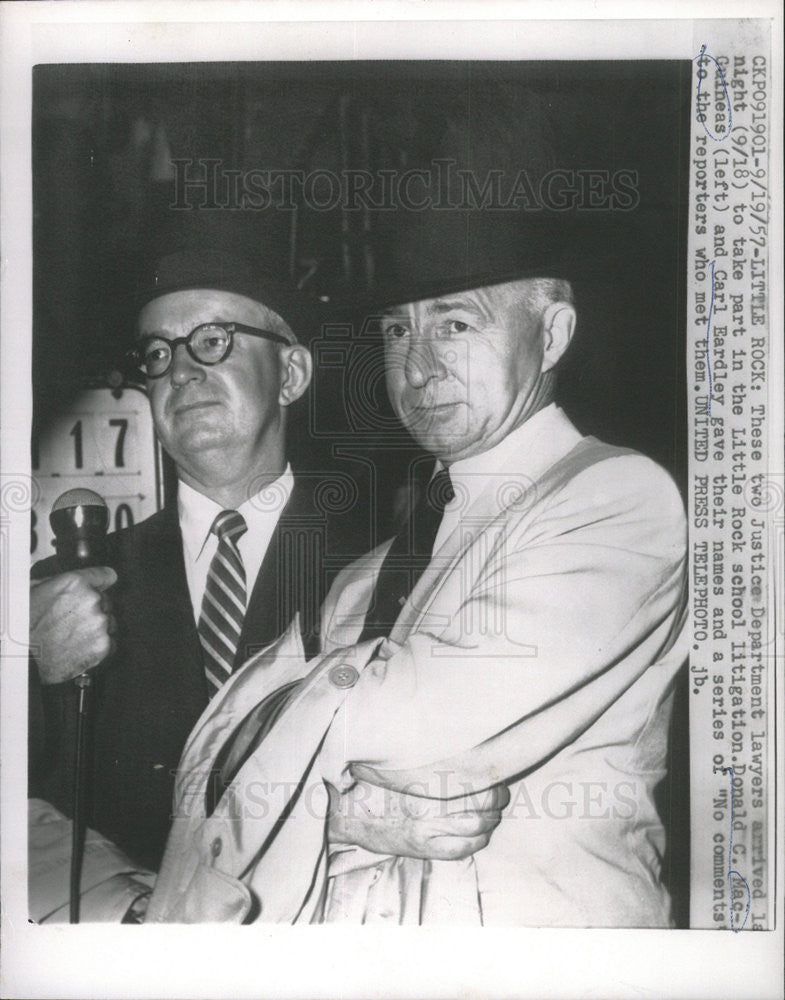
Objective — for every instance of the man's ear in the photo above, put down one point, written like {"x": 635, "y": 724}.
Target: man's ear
{"x": 558, "y": 326}
{"x": 296, "y": 372}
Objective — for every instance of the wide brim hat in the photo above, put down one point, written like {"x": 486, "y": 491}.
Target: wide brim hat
{"x": 437, "y": 252}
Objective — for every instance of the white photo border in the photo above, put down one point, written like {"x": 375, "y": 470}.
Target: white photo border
{"x": 264, "y": 960}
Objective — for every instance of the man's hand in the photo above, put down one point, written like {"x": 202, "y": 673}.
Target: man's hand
{"x": 393, "y": 823}
{"x": 71, "y": 624}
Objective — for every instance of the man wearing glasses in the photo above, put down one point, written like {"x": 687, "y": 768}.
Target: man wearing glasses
{"x": 192, "y": 592}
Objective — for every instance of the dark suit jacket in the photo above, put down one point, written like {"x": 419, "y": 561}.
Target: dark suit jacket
{"x": 148, "y": 695}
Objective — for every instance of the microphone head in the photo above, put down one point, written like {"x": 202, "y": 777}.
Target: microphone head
{"x": 79, "y": 521}
{"x": 78, "y": 498}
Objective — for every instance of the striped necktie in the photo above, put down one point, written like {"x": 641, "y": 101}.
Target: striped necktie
{"x": 405, "y": 562}
{"x": 223, "y": 604}
{"x": 407, "y": 557}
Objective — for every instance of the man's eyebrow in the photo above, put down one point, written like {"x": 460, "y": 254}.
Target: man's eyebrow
{"x": 440, "y": 306}
{"x": 165, "y": 333}
{"x": 436, "y": 308}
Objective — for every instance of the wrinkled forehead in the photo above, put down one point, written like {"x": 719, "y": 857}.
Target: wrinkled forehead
{"x": 177, "y": 313}
{"x": 490, "y": 303}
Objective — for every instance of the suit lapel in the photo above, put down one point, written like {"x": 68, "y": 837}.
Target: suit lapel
{"x": 163, "y": 605}
{"x": 288, "y": 580}
{"x": 487, "y": 518}
{"x": 478, "y": 520}
{"x": 261, "y": 613}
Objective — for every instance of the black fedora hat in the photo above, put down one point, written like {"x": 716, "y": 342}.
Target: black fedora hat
{"x": 438, "y": 251}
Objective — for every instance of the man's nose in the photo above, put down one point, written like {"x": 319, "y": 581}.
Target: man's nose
{"x": 184, "y": 369}
{"x": 423, "y": 362}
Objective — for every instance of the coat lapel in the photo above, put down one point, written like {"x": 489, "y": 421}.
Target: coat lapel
{"x": 487, "y": 520}
{"x": 261, "y": 615}
{"x": 289, "y": 580}
{"x": 163, "y": 606}
{"x": 478, "y": 521}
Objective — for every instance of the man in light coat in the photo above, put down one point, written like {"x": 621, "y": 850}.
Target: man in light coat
{"x": 536, "y": 655}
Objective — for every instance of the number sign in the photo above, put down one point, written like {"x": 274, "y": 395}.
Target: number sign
{"x": 103, "y": 442}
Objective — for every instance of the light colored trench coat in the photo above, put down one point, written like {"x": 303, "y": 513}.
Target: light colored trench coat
{"x": 539, "y": 648}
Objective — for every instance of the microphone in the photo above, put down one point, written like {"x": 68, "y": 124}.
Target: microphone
{"x": 79, "y": 521}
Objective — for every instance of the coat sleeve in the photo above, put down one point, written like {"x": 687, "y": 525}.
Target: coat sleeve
{"x": 568, "y": 610}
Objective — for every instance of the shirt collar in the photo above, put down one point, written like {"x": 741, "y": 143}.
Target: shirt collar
{"x": 197, "y": 512}
{"x": 523, "y": 455}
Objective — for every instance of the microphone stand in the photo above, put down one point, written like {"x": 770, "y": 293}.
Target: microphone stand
{"x": 80, "y": 782}
{"x": 79, "y": 520}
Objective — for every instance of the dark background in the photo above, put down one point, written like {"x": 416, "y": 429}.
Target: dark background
{"x": 103, "y": 140}
{"x": 104, "y": 136}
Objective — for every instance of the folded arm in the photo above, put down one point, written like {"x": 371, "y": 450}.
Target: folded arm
{"x": 563, "y": 618}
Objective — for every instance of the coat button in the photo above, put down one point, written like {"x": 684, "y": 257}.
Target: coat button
{"x": 343, "y": 676}
{"x": 216, "y": 847}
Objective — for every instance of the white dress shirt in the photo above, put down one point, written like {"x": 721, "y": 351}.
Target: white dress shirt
{"x": 197, "y": 513}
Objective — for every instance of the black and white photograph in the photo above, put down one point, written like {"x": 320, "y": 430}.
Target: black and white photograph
{"x": 392, "y": 504}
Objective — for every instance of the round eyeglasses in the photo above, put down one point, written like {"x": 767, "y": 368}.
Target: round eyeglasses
{"x": 208, "y": 343}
